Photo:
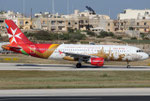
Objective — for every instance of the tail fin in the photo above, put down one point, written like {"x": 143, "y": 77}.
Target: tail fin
{"x": 16, "y": 37}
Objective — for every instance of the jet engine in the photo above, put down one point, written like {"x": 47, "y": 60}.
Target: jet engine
{"x": 97, "y": 61}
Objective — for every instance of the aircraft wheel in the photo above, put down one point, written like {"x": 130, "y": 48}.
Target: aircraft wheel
{"x": 78, "y": 65}
{"x": 128, "y": 66}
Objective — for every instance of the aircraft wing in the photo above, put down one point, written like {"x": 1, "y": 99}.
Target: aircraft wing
{"x": 78, "y": 56}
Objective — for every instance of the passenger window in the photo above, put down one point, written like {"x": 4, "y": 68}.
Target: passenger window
{"x": 139, "y": 51}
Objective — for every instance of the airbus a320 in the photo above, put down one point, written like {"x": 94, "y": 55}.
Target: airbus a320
{"x": 94, "y": 54}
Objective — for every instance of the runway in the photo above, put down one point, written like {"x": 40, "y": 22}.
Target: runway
{"x": 103, "y": 94}
{"x": 68, "y": 67}
{"x": 76, "y": 92}
{"x": 77, "y": 98}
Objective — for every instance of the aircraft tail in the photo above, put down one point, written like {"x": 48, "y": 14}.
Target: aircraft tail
{"x": 16, "y": 37}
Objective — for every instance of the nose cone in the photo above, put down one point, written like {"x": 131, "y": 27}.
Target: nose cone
{"x": 145, "y": 56}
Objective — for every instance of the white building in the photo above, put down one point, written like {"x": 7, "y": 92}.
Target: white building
{"x": 134, "y": 14}
{"x": 11, "y": 15}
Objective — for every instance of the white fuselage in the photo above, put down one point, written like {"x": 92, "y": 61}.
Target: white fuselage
{"x": 108, "y": 52}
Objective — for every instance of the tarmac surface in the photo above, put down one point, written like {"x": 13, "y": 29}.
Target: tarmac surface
{"x": 103, "y": 94}
{"x": 76, "y": 92}
{"x": 68, "y": 67}
{"x": 77, "y": 98}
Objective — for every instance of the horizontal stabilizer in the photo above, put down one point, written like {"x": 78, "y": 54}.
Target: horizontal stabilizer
{"x": 8, "y": 47}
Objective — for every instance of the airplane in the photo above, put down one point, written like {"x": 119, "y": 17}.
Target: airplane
{"x": 95, "y": 55}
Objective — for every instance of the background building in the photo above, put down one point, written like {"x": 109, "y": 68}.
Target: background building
{"x": 77, "y": 21}
{"x": 134, "y": 14}
{"x": 129, "y": 20}
{"x": 135, "y": 25}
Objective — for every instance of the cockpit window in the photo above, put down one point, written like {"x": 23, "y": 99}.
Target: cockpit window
{"x": 138, "y": 51}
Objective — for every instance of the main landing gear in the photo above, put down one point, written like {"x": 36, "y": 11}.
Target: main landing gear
{"x": 79, "y": 65}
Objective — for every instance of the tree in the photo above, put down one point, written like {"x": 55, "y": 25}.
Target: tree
{"x": 90, "y": 33}
{"x": 133, "y": 38}
{"x": 104, "y": 34}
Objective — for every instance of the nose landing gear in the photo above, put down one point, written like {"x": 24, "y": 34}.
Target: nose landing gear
{"x": 128, "y": 66}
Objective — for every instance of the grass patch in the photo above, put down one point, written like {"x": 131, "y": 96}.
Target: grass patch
{"x": 73, "y": 79}
{"x": 137, "y": 41}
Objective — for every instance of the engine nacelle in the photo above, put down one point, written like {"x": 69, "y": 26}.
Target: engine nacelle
{"x": 97, "y": 61}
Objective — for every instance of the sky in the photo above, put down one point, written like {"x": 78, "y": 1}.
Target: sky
{"x": 107, "y": 7}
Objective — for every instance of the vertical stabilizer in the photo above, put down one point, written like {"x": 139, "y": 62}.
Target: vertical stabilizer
{"x": 16, "y": 37}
